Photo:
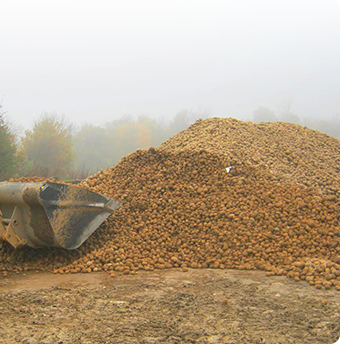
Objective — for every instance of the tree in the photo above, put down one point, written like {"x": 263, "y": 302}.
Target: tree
{"x": 264, "y": 114}
{"x": 49, "y": 146}
{"x": 7, "y": 148}
{"x": 184, "y": 119}
{"x": 148, "y": 132}
{"x": 286, "y": 113}
{"x": 92, "y": 148}
{"x": 123, "y": 137}
{"x": 180, "y": 122}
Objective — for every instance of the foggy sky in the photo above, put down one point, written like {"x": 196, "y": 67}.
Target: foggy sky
{"x": 94, "y": 61}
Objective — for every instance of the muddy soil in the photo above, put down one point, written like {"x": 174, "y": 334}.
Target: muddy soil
{"x": 199, "y": 306}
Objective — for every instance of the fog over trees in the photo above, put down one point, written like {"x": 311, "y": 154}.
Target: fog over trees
{"x": 7, "y": 148}
{"x": 286, "y": 114}
{"x": 55, "y": 147}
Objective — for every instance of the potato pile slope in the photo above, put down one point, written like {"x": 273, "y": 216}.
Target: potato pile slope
{"x": 296, "y": 153}
{"x": 181, "y": 208}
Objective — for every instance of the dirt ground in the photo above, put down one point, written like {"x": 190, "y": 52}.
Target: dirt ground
{"x": 199, "y": 306}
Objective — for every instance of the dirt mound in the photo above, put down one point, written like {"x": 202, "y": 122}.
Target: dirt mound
{"x": 184, "y": 207}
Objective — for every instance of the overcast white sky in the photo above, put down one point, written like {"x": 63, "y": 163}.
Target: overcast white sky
{"x": 97, "y": 60}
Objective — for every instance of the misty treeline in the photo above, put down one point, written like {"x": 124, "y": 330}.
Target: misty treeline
{"x": 54, "y": 147}
{"x": 284, "y": 113}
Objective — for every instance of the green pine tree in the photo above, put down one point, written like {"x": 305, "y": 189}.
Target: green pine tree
{"x": 7, "y": 149}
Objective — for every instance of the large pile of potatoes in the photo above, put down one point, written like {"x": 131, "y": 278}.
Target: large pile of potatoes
{"x": 183, "y": 207}
{"x": 295, "y": 153}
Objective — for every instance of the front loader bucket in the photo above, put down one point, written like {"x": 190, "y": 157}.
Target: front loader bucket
{"x": 50, "y": 214}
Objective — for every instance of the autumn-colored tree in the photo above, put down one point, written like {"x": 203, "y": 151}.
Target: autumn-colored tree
{"x": 49, "y": 146}
{"x": 7, "y": 148}
{"x": 153, "y": 133}
{"x": 123, "y": 136}
{"x": 145, "y": 126}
